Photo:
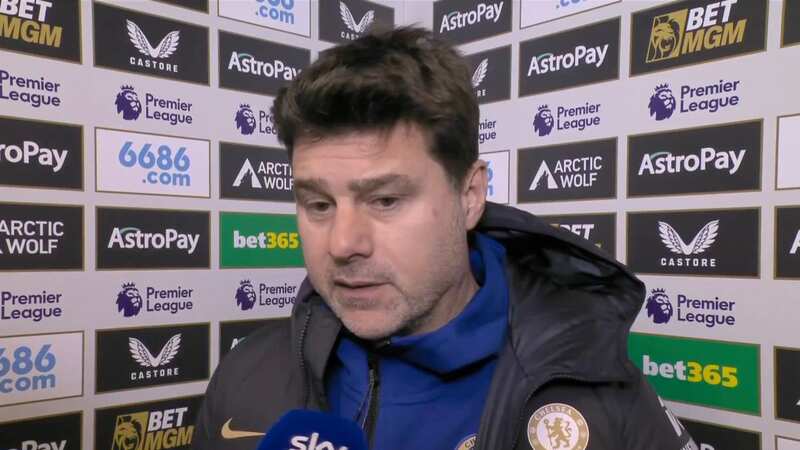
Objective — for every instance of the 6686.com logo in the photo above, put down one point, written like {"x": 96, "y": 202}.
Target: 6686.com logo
{"x": 26, "y": 368}
{"x": 162, "y": 166}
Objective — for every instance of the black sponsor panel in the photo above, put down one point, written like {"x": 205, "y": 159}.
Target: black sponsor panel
{"x": 255, "y": 173}
{"x": 256, "y": 66}
{"x": 787, "y": 383}
{"x": 570, "y": 58}
{"x": 150, "y": 45}
{"x": 710, "y": 437}
{"x": 197, "y": 5}
{"x": 491, "y": 74}
{"x": 694, "y": 31}
{"x": 63, "y": 430}
{"x": 711, "y": 243}
{"x": 51, "y": 29}
{"x": 461, "y": 21}
{"x": 347, "y": 20}
{"x": 575, "y": 171}
{"x": 599, "y": 229}
{"x": 41, "y": 237}
{"x": 791, "y": 22}
{"x": 40, "y": 154}
{"x": 129, "y": 358}
{"x": 233, "y": 333}
{"x": 787, "y": 242}
{"x": 152, "y": 238}
{"x": 723, "y": 158}
{"x": 166, "y": 424}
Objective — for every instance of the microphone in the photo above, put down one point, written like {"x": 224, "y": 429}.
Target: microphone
{"x": 301, "y": 429}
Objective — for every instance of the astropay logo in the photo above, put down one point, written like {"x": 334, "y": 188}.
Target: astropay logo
{"x": 577, "y": 56}
{"x": 134, "y": 238}
{"x": 707, "y": 159}
{"x": 481, "y": 12}
{"x": 249, "y": 64}
{"x": 275, "y": 295}
{"x": 157, "y": 299}
{"x": 576, "y": 118}
{"x": 173, "y": 111}
{"x": 709, "y": 98}
{"x": 60, "y": 432}
{"x": 698, "y": 311}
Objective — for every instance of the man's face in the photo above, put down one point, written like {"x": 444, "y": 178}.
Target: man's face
{"x": 383, "y": 228}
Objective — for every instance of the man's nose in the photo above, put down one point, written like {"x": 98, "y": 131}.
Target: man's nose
{"x": 350, "y": 235}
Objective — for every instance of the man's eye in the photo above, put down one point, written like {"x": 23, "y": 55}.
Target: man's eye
{"x": 318, "y": 207}
{"x": 386, "y": 202}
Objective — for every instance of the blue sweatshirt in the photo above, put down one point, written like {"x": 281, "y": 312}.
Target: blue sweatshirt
{"x": 431, "y": 387}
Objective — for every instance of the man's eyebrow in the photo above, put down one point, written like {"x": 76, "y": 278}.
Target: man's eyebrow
{"x": 317, "y": 185}
{"x": 361, "y": 187}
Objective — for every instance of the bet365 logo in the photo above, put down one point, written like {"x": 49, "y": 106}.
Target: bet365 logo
{"x": 26, "y": 368}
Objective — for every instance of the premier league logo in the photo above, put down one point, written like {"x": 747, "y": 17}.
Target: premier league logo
{"x": 543, "y": 122}
{"x": 662, "y": 102}
{"x": 245, "y": 120}
{"x": 128, "y": 103}
{"x": 129, "y": 302}
{"x": 246, "y": 295}
{"x": 658, "y": 306}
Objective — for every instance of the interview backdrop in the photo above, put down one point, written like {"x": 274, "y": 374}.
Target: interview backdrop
{"x": 147, "y": 224}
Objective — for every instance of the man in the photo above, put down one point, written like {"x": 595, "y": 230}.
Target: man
{"x": 433, "y": 319}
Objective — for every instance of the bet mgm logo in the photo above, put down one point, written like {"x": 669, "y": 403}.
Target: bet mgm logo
{"x": 557, "y": 426}
{"x": 666, "y": 36}
{"x": 129, "y": 431}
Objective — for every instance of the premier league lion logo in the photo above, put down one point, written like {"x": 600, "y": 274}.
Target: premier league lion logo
{"x": 245, "y": 295}
{"x": 128, "y": 103}
{"x": 129, "y": 301}
{"x": 659, "y": 307}
{"x": 662, "y": 102}
{"x": 543, "y": 122}
{"x": 664, "y": 38}
{"x": 127, "y": 434}
{"x": 245, "y": 120}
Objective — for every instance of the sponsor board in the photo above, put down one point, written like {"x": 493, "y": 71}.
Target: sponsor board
{"x": 498, "y": 170}
{"x": 461, "y": 21}
{"x": 141, "y": 163}
{"x": 348, "y": 20}
{"x": 782, "y": 443}
{"x": 259, "y": 240}
{"x": 233, "y": 333}
{"x": 133, "y": 238}
{"x": 165, "y": 299}
{"x": 787, "y": 384}
{"x": 534, "y": 12}
{"x": 130, "y": 358}
{"x": 721, "y": 242}
{"x": 574, "y": 171}
{"x": 36, "y": 91}
{"x": 677, "y": 306}
{"x": 254, "y": 121}
{"x": 568, "y": 118}
{"x": 791, "y": 18}
{"x": 41, "y": 237}
{"x": 787, "y": 242}
{"x": 42, "y": 28}
{"x": 276, "y": 294}
{"x": 34, "y": 305}
{"x": 150, "y": 45}
{"x": 717, "y": 437}
{"x": 159, "y": 425}
{"x": 720, "y": 158}
{"x": 293, "y": 16}
{"x": 695, "y": 31}
{"x": 197, "y": 5}
{"x": 40, "y": 367}
{"x": 157, "y": 108}
{"x": 41, "y": 154}
{"x": 599, "y": 229}
{"x": 57, "y": 432}
{"x": 491, "y": 75}
{"x": 259, "y": 67}
{"x": 571, "y": 58}
{"x": 717, "y": 374}
{"x": 255, "y": 173}
{"x": 788, "y": 160}
{"x": 707, "y": 98}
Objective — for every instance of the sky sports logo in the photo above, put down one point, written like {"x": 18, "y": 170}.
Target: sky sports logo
{"x": 709, "y": 98}
{"x": 570, "y": 58}
{"x": 703, "y": 312}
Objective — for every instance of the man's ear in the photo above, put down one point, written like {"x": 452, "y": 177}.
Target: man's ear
{"x": 473, "y": 193}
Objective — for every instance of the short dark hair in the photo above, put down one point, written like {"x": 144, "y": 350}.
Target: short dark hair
{"x": 379, "y": 80}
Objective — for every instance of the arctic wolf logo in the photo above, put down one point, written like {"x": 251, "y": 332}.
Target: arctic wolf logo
{"x": 245, "y": 119}
{"x": 659, "y": 307}
{"x": 165, "y": 48}
{"x": 141, "y": 354}
{"x": 128, "y": 300}
{"x": 128, "y": 434}
{"x": 665, "y": 36}
{"x": 128, "y": 103}
{"x": 662, "y": 102}
{"x": 543, "y": 121}
{"x": 245, "y": 295}
{"x": 704, "y": 238}
{"x": 480, "y": 73}
{"x": 350, "y": 21}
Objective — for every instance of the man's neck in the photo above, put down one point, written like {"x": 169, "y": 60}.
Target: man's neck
{"x": 448, "y": 307}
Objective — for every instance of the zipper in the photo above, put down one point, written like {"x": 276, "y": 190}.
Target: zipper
{"x": 371, "y": 418}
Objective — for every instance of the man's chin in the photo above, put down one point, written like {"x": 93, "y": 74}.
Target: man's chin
{"x": 368, "y": 326}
